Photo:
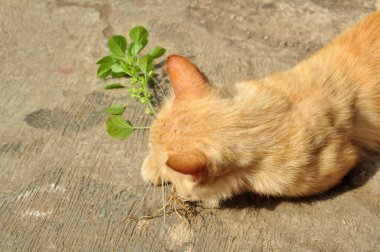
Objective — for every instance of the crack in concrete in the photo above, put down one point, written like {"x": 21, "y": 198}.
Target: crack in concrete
{"x": 103, "y": 9}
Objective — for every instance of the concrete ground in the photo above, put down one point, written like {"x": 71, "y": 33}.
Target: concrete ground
{"x": 67, "y": 186}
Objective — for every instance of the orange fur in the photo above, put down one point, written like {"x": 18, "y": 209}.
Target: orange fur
{"x": 292, "y": 133}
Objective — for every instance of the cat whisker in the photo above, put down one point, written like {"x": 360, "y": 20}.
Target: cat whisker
{"x": 163, "y": 200}
{"x": 142, "y": 200}
{"x": 152, "y": 198}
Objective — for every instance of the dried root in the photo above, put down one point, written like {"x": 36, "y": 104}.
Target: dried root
{"x": 183, "y": 209}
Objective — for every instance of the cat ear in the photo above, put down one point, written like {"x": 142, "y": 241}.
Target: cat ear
{"x": 187, "y": 80}
{"x": 189, "y": 163}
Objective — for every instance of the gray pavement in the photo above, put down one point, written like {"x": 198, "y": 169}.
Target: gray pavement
{"x": 67, "y": 186}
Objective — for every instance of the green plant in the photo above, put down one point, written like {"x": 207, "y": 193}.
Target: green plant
{"x": 124, "y": 61}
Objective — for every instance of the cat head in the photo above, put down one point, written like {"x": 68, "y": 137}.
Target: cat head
{"x": 192, "y": 139}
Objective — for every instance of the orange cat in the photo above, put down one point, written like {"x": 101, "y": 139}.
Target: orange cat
{"x": 292, "y": 133}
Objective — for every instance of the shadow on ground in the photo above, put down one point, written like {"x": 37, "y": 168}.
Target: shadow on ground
{"x": 356, "y": 178}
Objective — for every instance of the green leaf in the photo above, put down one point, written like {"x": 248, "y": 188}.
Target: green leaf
{"x": 136, "y": 47}
{"x": 104, "y": 70}
{"x": 117, "y": 45}
{"x": 146, "y": 64}
{"x": 118, "y": 127}
{"x": 126, "y": 70}
{"x": 114, "y": 85}
{"x": 115, "y": 109}
{"x": 117, "y": 75}
{"x": 157, "y": 52}
{"x": 132, "y": 50}
{"x": 105, "y": 60}
{"x": 138, "y": 34}
{"x": 119, "y": 58}
{"x": 121, "y": 68}
{"x": 117, "y": 68}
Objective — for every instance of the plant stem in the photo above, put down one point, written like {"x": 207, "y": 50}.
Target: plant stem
{"x": 146, "y": 95}
{"x": 141, "y": 128}
{"x": 152, "y": 108}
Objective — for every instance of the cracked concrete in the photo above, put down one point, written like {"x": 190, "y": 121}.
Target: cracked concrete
{"x": 66, "y": 186}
